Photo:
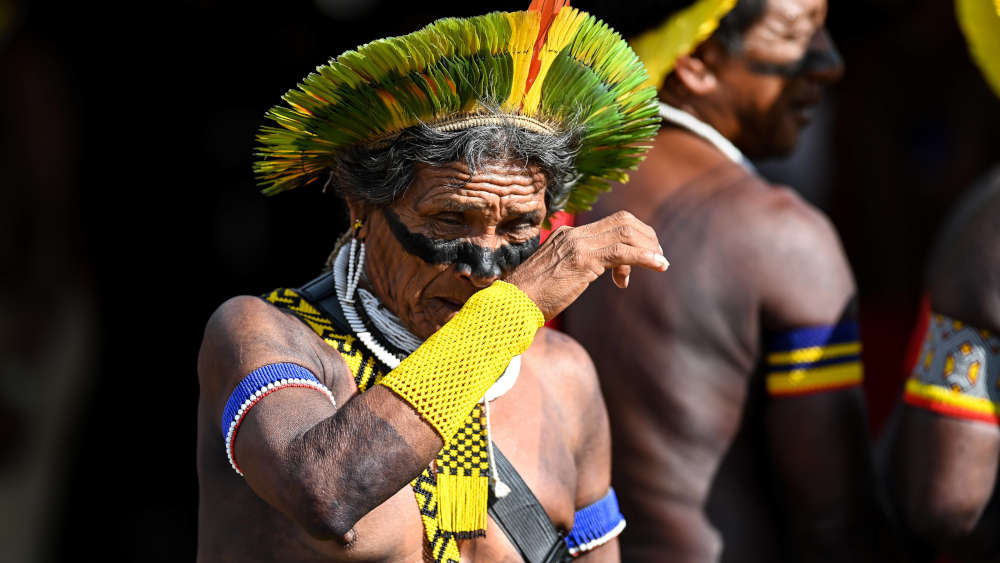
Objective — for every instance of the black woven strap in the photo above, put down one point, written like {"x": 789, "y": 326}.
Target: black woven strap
{"x": 523, "y": 520}
{"x": 322, "y": 293}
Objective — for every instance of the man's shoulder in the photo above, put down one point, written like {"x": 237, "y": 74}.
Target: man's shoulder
{"x": 242, "y": 316}
{"x": 565, "y": 365}
{"x": 561, "y": 354}
{"x": 771, "y": 224}
{"x": 797, "y": 256}
{"x": 779, "y": 217}
{"x": 964, "y": 267}
{"x": 245, "y": 332}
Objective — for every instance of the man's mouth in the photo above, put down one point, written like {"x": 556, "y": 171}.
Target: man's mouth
{"x": 803, "y": 115}
{"x": 450, "y": 305}
{"x": 803, "y": 110}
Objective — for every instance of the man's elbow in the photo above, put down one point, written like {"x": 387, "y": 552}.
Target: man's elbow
{"x": 320, "y": 507}
{"x": 326, "y": 519}
{"x": 939, "y": 520}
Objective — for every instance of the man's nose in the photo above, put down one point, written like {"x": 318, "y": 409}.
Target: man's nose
{"x": 481, "y": 277}
{"x": 825, "y": 63}
{"x": 479, "y": 263}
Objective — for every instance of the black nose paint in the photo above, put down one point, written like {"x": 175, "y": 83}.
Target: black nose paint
{"x": 467, "y": 257}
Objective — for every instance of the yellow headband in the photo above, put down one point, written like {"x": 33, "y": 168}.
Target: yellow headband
{"x": 980, "y": 22}
{"x": 660, "y": 48}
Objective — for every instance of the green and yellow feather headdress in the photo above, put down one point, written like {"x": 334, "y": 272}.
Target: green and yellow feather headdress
{"x": 545, "y": 68}
{"x": 660, "y": 47}
{"x": 980, "y": 22}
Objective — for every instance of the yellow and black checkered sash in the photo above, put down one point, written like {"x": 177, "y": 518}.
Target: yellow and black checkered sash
{"x": 462, "y": 465}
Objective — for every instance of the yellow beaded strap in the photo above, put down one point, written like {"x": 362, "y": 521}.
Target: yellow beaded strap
{"x": 447, "y": 376}
{"x": 368, "y": 370}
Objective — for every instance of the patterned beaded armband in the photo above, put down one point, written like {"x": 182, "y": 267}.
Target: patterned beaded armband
{"x": 260, "y": 383}
{"x": 958, "y": 371}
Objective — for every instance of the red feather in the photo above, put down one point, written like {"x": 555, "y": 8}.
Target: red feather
{"x": 548, "y": 10}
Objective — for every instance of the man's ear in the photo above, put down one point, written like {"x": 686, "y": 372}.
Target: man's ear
{"x": 360, "y": 212}
{"x": 695, "y": 75}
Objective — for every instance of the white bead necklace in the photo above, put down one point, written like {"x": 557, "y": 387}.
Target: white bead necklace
{"x": 340, "y": 275}
{"x": 705, "y": 131}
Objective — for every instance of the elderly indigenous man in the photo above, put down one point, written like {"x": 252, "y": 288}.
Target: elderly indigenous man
{"x": 737, "y": 419}
{"x": 947, "y": 446}
{"x": 401, "y": 407}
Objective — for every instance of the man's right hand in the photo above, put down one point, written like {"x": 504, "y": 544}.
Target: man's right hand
{"x": 573, "y": 257}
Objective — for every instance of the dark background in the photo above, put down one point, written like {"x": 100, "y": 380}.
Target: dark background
{"x": 128, "y": 212}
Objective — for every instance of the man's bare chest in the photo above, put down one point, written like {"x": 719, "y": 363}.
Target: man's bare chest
{"x": 535, "y": 443}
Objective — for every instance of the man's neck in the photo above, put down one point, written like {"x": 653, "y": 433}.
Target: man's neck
{"x": 705, "y": 111}
{"x": 705, "y": 131}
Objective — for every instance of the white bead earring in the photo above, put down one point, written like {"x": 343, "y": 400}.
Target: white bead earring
{"x": 355, "y": 263}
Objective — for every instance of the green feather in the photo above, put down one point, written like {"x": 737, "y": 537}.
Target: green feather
{"x": 452, "y": 67}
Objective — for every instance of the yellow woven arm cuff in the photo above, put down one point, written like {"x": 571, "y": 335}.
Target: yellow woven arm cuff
{"x": 451, "y": 371}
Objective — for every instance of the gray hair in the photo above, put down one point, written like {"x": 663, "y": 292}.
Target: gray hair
{"x": 380, "y": 174}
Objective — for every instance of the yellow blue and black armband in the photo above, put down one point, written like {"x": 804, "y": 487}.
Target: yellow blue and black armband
{"x": 957, "y": 371}
{"x": 814, "y": 359}
{"x": 451, "y": 371}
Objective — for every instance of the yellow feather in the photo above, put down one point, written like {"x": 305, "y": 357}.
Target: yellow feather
{"x": 980, "y": 23}
{"x": 660, "y": 48}
{"x": 523, "y": 33}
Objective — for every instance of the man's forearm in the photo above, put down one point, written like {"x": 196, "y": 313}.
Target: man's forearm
{"x": 353, "y": 461}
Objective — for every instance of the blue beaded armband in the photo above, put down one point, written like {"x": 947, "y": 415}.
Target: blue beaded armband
{"x": 595, "y": 525}
{"x": 260, "y": 383}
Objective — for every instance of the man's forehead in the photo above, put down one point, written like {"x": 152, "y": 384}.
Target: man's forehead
{"x": 793, "y": 14}
{"x": 785, "y": 29}
{"x": 453, "y": 187}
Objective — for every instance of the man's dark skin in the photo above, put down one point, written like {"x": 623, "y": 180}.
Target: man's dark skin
{"x": 945, "y": 468}
{"x": 707, "y": 466}
{"x": 327, "y": 483}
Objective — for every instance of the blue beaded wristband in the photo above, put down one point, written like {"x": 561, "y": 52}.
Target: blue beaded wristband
{"x": 595, "y": 524}
{"x": 260, "y": 383}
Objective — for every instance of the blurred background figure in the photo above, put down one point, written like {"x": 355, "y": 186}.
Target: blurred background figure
{"x": 164, "y": 99}
{"x": 48, "y": 340}
{"x": 737, "y": 415}
{"x": 946, "y": 447}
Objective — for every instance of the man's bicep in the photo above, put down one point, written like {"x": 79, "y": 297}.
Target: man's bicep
{"x": 265, "y": 451}
{"x": 597, "y": 520}
{"x": 821, "y": 462}
{"x": 252, "y": 357}
{"x": 819, "y": 448}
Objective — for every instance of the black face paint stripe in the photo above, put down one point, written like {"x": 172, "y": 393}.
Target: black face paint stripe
{"x": 467, "y": 257}
{"x": 814, "y": 60}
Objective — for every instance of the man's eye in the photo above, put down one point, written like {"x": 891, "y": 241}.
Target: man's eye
{"x": 449, "y": 218}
